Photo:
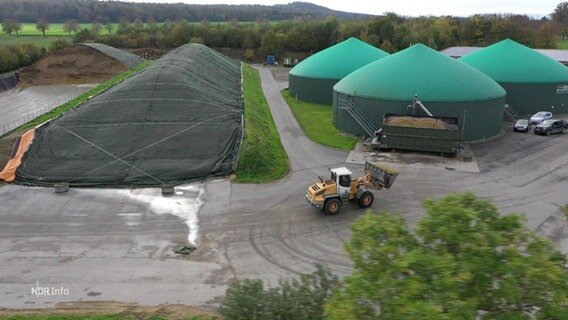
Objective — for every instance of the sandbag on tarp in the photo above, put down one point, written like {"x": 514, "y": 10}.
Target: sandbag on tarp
{"x": 8, "y": 80}
{"x": 126, "y": 58}
{"x": 180, "y": 119}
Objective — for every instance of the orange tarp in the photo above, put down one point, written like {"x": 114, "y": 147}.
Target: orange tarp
{"x": 9, "y": 172}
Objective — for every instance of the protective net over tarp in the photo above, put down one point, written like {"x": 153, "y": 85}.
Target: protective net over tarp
{"x": 180, "y": 119}
{"x": 126, "y": 58}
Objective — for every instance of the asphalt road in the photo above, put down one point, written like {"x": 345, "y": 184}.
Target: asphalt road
{"x": 119, "y": 244}
{"x": 20, "y": 105}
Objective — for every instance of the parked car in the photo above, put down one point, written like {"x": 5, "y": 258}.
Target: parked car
{"x": 522, "y": 125}
{"x": 551, "y": 126}
{"x": 540, "y": 117}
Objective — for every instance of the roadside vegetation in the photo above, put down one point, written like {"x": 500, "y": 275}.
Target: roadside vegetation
{"x": 315, "y": 120}
{"x": 84, "y": 97}
{"x": 262, "y": 156}
{"x": 297, "y": 299}
{"x": 463, "y": 257}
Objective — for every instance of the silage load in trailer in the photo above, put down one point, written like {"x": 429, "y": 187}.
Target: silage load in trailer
{"x": 178, "y": 120}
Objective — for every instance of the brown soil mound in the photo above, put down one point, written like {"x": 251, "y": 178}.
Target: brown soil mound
{"x": 417, "y": 122}
{"x": 72, "y": 65}
{"x": 6, "y": 147}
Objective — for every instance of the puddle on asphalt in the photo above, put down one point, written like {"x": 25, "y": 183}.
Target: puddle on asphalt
{"x": 185, "y": 204}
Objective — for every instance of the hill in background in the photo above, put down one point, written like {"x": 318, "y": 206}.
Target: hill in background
{"x": 113, "y": 11}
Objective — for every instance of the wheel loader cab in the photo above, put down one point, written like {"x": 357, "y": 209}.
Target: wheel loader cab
{"x": 342, "y": 177}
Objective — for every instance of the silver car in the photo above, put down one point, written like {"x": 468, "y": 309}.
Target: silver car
{"x": 522, "y": 125}
{"x": 539, "y": 117}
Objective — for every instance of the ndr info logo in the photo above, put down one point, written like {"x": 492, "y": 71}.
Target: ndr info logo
{"x": 49, "y": 291}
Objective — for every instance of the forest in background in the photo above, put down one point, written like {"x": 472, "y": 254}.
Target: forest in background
{"x": 302, "y": 35}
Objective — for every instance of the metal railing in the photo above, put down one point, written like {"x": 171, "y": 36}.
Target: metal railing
{"x": 15, "y": 123}
{"x": 358, "y": 116}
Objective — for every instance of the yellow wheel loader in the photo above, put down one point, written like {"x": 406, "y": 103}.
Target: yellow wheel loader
{"x": 333, "y": 193}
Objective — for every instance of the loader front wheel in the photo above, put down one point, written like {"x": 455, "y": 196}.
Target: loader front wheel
{"x": 332, "y": 206}
{"x": 366, "y": 199}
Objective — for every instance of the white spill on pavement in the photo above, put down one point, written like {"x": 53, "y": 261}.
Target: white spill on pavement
{"x": 185, "y": 204}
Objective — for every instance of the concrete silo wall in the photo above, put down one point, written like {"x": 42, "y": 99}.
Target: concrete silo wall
{"x": 311, "y": 89}
{"x": 528, "y": 99}
{"x": 483, "y": 118}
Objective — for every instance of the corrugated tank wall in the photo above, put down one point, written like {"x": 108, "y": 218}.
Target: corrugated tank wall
{"x": 483, "y": 119}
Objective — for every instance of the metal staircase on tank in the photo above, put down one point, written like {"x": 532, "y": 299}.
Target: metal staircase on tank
{"x": 509, "y": 113}
{"x": 359, "y": 117}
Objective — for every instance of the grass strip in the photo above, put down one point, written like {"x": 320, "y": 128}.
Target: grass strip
{"x": 315, "y": 120}
{"x": 75, "y": 102}
{"x": 262, "y": 155}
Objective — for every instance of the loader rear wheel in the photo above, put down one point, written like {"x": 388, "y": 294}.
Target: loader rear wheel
{"x": 332, "y": 206}
{"x": 366, "y": 199}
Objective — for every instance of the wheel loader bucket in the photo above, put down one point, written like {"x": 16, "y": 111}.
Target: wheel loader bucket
{"x": 383, "y": 174}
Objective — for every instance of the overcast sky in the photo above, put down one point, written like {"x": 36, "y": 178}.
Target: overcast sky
{"x": 411, "y": 7}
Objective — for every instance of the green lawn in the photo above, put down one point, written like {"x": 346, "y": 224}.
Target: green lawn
{"x": 262, "y": 156}
{"x": 315, "y": 120}
{"x": 39, "y": 41}
{"x": 55, "y": 29}
{"x": 562, "y": 44}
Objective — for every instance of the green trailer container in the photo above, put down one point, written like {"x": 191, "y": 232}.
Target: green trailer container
{"x": 440, "y": 134}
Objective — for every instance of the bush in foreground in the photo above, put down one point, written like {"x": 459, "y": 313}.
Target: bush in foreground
{"x": 301, "y": 299}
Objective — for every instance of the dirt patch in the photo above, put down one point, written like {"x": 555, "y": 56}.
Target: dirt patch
{"x": 71, "y": 65}
{"x": 6, "y": 146}
{"x": 94, "y": 308}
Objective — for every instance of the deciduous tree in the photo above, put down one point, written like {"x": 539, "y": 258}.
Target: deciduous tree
{"x": 465, "y": 261}
{"x": 71, "y": 26}
{"x": 560, "y": 15}
{"x": 42, "y": 25}
{"x": 96, "y": 28}
{"x": 10, "y": 26}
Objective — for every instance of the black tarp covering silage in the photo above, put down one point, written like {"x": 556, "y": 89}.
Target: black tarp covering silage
{"x": 180, "y": 119}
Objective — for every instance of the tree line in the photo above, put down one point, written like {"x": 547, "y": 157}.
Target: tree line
{"x": 86, "y": 11}
{"x": 390, "y": 33}
{"x": 304, "y": 36}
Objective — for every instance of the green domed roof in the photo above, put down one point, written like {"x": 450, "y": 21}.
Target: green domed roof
{"x": 511, "y": 62}
{"x": 339, "y": 60}
{"x": 421, "y": 71}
